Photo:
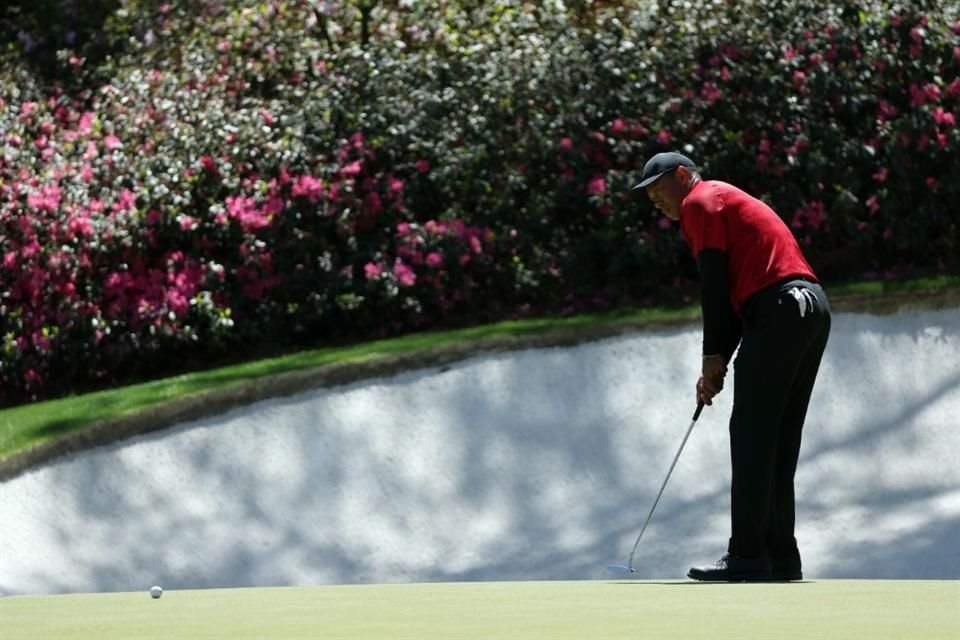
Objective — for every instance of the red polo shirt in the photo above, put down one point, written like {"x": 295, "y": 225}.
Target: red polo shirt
{"x": 760, "y": 248}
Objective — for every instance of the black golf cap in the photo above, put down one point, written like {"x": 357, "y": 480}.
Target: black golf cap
{"x": 663, "y": 163}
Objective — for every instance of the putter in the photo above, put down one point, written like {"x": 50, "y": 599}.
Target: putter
{"x": 628, "y": 568}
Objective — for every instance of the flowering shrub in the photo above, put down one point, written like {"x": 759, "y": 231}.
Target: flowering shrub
{"x": 846, "y": 124}
{"x": 205, "y": 180}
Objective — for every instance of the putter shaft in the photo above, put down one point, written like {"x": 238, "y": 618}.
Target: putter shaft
{"x": 696, "y": 415}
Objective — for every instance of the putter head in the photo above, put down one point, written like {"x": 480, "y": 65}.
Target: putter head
{"x": 621, "y": 569}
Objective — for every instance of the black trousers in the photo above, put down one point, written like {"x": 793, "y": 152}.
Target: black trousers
{"x": 785, "y": 330}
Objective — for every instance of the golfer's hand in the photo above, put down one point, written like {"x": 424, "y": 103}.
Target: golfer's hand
{"x": 711, "y": 380}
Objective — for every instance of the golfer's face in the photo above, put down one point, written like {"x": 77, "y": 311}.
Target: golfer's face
{"x": 667, "y": 194}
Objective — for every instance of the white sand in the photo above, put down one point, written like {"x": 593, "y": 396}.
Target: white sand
{"x": 538, "y": 464}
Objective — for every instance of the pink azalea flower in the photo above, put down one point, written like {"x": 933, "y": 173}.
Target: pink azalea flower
{"x": 664, "y": 137}
{"x": 27, "y": 109}
{"x": 272, "y": 207}
{"x": 434, "y": 260}
{"x": 81, "y": 226}
{"x": 435, "y": 228}
{"x": 886, "y": 111}
{"x": 597, "y": 186}
{"x": 46, "y": 199}
{"x": 944, "y": 118}
{"x": 918, "y": 97}
{"x": 126, "y": 201}
{"x": 566, "y": 144}
{"x": 41, "y": 341}
{"x": 308, "y": 187}
{"x": 811, "y": 216}
{"x": 352, "y": 169}
{"x": 208, "y": 164}
{"x": 404, "y": 274}
{"x": 372, "y": 271}
{"x": 86, "y": 122}
{"x": 112, "y": 142}
{"x": 32, "y": 378}
{"x": 245, "y": 211}
{"x": 710, "y": 92}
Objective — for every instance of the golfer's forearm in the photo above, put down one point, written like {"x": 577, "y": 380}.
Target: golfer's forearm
{"x": 721, "y": 327}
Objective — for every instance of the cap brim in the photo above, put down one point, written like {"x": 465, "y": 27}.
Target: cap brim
{"x": 649, "y": 181}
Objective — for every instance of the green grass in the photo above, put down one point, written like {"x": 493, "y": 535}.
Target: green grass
{"x": 28, "y": 426}
{"x": 831, "y": 609}
{"x": 876, "y": 287}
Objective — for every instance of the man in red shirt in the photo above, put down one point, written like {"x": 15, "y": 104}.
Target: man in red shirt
{"x": 758, "y": 292}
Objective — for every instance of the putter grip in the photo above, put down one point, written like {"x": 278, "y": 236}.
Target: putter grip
{"x": 696, "y": 414}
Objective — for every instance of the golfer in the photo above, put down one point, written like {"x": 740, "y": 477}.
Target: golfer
{"x": 758, "y": 292}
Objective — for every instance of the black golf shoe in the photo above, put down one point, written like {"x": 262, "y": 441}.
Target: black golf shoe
{"x": 731, "y": 568}
{"x": 785, "y": 563}
{"x": 785, "y": 570}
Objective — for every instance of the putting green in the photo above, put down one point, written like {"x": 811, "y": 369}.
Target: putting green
{"x": 834, "y": 609}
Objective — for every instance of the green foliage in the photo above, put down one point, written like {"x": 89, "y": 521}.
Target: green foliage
{"x": 182, "y": 179}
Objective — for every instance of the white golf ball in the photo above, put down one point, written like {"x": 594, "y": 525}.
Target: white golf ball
{"x": 156, "y": 592}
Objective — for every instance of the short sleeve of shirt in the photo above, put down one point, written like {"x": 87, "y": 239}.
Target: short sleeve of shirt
{"x": 703, "y": 223}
